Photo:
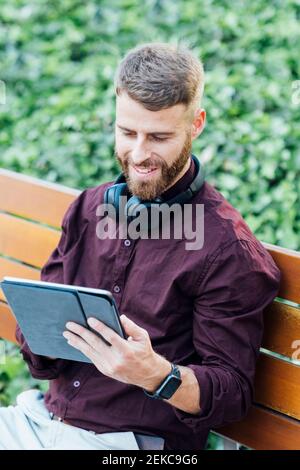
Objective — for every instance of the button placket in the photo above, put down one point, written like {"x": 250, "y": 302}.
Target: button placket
{"x": 118, "y": 277}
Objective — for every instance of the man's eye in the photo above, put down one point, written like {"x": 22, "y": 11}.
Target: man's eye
{"x": 159, "y": 139}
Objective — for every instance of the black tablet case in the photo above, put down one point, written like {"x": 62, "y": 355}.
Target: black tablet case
{"x": 42, "y": 314}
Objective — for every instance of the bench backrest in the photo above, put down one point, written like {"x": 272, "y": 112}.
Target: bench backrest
{"x": 273, "y": 421}
{"x": 31, "y": 212}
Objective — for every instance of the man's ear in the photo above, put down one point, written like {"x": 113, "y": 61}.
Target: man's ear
{"x": 199, "y": 122}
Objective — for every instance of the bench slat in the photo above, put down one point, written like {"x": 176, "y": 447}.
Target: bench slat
{"x": 7, "y": 323}
{"x": 26, "y": 241}
{"x": 281, "y": 329}
{"x": 288, "y": 261}
{"x": 264, "y": 430}
{"x": 33, "y": 198}
{"x": 277, "y": 385}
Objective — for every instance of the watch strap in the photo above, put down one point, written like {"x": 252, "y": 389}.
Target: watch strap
{"x": 175, "y": 372}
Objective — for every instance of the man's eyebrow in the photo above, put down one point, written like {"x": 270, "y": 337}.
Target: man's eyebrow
{"x": 150, "y": 133}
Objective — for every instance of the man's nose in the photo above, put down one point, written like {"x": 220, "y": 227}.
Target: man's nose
{"x": 140, "y": 153}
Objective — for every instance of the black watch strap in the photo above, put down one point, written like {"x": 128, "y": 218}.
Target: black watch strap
{"x": 168, "y": 386}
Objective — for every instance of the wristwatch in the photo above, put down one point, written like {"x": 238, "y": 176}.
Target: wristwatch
{"x": 169, "y": 385}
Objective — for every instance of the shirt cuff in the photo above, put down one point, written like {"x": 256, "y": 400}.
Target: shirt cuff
{"x": 194, "y": 420}
{"x": 224, "y": 398}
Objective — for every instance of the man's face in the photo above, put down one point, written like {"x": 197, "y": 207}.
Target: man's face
{"x": 152, "y": 147}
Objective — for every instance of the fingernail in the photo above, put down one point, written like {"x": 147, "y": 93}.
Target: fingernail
{"x": 92, "y": 321}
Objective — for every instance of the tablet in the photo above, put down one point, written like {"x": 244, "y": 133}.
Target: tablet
{"x": 42, "y": 310}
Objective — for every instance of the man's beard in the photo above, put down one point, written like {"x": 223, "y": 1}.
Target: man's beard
{"x": 148, "y": 190}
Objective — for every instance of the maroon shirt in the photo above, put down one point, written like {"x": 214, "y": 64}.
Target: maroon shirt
{"x": 202, "y": 309}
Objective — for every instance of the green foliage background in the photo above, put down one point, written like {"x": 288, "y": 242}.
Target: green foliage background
{"x": 58, "y": 59}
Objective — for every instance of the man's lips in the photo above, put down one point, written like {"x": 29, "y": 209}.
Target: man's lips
{"x": 145, "y": 171}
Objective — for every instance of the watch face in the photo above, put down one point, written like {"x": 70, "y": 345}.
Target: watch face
{"x": 170, "y": 387}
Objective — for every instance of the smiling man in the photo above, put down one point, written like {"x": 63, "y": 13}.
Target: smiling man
{"x": 194, "y": 319}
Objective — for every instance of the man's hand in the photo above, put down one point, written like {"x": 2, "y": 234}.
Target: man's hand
{"x": 131, "y": 361}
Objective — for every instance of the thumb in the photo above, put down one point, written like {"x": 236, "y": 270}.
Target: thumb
{"x": 134, "y": 331}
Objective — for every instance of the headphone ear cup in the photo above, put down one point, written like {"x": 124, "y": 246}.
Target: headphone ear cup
{"x": 134, "y": 205}
{"x": 113, "y": 193}
{"x": 131, "y": 205}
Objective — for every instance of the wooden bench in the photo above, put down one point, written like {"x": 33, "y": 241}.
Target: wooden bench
{"x": 30, "y": 217}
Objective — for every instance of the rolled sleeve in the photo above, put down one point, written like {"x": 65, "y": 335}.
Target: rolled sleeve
{"x": 241, "y": 280}
{"x": 53, "y": 271}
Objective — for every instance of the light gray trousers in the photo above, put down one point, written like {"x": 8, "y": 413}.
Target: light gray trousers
{"x": 28, "y": 425}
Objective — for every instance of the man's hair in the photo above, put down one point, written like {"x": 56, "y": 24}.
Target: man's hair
{"x": 160, "y": 75}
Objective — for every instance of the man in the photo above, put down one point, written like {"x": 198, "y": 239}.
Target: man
{"x": 196, "y": 313}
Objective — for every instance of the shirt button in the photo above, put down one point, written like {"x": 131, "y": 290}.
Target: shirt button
{"x": 76, "y": 383}
{"x": 127, "y": 242}
{"x": 117, "y": 289}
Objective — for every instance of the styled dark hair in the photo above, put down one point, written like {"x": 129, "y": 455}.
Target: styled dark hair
{"x": 160, "y": 75}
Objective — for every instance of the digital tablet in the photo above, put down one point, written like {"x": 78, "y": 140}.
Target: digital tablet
{"x": 42, "y": 310}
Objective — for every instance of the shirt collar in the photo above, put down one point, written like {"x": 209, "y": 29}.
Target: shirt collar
{"x": 182, "y": 184}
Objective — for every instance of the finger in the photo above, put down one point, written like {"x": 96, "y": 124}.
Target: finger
{"x": 132, "y": 329}
{"x": 88, "y": 336}
{"x": 78, "y": 343}
{"x": 108, "y": 333}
